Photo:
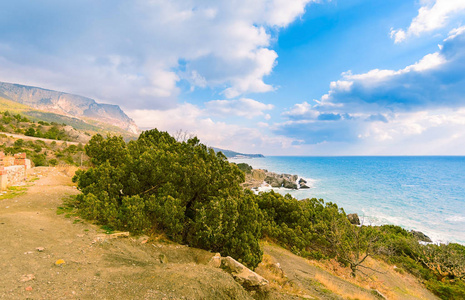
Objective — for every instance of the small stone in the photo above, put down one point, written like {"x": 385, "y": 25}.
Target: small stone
{"x": 163, "y": 259}
{"x": 40, "y": 249}
{"x": 27, "y": 277}
{"x": 29, "y": 288}
{"x": 60, "y": 262}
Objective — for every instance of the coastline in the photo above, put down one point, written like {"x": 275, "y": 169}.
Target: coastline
{"x": 440, "y": 226}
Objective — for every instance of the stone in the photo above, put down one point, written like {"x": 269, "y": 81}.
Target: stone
{"x": 143, "y": 239}
{"x": 40, "y": 249}
{"x": 304, "y": 186}
{"x": 29, "y": 288}
{"x": 118, "y": 235}
{"x": 302, "y": 181}
{"x": 27, "y": 277}
{"x": 59, "y": 262}
{"x": 290, "y": 184}
{"x": 353, "y": 219}
{"x": 215, "y": 261}
{"x": 420, "y": 236}
{"x": 247, "y": 278}
{"x": 163, "y": 259}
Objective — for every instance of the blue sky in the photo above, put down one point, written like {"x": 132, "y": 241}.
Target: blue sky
{"x": 279, "y": 77}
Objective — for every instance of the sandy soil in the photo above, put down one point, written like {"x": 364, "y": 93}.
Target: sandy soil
{"x": 118, "y": 268}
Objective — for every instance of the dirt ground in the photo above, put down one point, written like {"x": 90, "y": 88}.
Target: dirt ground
{"x": 48, "y": 255}
{"x": 119, "y": 268}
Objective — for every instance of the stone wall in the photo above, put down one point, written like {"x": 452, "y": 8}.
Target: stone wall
{"x": 13, "y": 174}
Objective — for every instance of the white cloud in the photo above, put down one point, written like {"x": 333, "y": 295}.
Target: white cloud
{"x": 191, "y": 118}
{"x": 139, "y": 50}
{"x": 302, "y": 111}
{"x": 243, "y": 107}
{"x": 431, "y": 16}
{"x": 416, "y": 110}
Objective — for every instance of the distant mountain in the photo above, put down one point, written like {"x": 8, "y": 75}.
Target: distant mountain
{"x": 233, "y": 154}
{"x": 69, "y": 105}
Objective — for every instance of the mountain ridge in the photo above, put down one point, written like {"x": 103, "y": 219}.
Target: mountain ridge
{"x": 68, "y": 104}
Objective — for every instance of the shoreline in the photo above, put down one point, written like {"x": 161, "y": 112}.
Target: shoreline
{"x": 378, "y": 219}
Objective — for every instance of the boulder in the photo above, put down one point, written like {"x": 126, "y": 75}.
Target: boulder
{"x": 290, "y": 184}
{"x": 420, "y": 236}
{"x": 247, "y": 278}
{"x": 304, "y": 186}
{"x": 302, "y": 181}
{"x": 274, "y": 181}
{"x": 215, "y": 261}
{"x": 354, "y": 219}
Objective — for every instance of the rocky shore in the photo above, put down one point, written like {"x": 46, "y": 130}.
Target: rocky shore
{"x": 256, "y": 178}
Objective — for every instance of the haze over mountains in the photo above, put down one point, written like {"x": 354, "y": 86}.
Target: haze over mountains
{"x": 68, "y": 104}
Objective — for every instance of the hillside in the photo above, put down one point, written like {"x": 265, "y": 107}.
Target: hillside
{"x": 89, "y": 126}
{"x": 69, "y": 105}
{"x": 51, "y": 253}
{"x": 233, "y": 154}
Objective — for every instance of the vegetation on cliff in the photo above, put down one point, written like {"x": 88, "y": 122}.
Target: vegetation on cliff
{"x": 193, "y": 195}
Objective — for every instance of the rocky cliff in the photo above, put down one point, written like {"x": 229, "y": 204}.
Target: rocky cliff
{"x": 68, "y": 104}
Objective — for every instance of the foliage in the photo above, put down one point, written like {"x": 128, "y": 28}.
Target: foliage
{"x": 181, "y": 188}
{"x": 245, "y": 168}
{"x": 193, "y": 195}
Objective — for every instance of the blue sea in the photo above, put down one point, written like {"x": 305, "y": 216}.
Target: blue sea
{"x": 420, "y": 193}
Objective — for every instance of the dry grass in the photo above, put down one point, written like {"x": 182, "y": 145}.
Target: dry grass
{"x": 67, "y": 169}
{"x": 272, "y": 272}
{"x": 341, "y": 289}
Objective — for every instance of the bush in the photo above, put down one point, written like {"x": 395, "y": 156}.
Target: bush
{"x": 181, "y": 188}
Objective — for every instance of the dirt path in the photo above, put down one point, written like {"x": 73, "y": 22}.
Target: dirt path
{"x": 119, "y": 268}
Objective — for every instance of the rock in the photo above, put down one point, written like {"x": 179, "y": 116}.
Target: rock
{"x": 103, "y": 237}
{"x": 420, "y": 236}
{"x": 215, "y": 261}
{"x": 247, "y": 278}
{"x": 274, "y": 181}
{"x": 40, "y": 249}
{"x": 143, "y": 239}
{"x": 302, "y": 181}
{"x": 353, "y": 219}
{"x": 118, "y": 235}
{"x": 304, "y": 186}
{"x": 163, "y": 259}
{"x": 59, "y": 262}
{"x": 290, "y": 184}
{"x": 27, "y": 277}
{"x": 29, "y": 288}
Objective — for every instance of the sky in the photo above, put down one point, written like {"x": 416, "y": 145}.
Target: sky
{"x": 277, "y": 77}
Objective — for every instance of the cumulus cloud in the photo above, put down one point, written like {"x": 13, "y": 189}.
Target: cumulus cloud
{"x": 437, "y": 80}
{"x": 405, "y": 111}
{"x": 243, "y": 107}
{"x": 135, "y": 53}
{"x": 432, "y": 15}
{"x": 191, "y": 118}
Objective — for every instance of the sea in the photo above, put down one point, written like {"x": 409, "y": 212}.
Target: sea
{"x": 423, "y": 193}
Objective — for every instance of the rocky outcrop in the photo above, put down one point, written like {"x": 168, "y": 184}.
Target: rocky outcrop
{"x": 68, "y": 105}
{"x": 303, "y": 184}
{"x": 247, "y": 278}
{"x": 420, "y": 236}
{"x": 353, "y": 219}
{"x": 281, "y": 180}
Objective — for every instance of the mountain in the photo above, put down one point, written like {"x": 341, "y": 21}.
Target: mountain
{"x": 233, "y": 154}
{"x": 70, "y": 105}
